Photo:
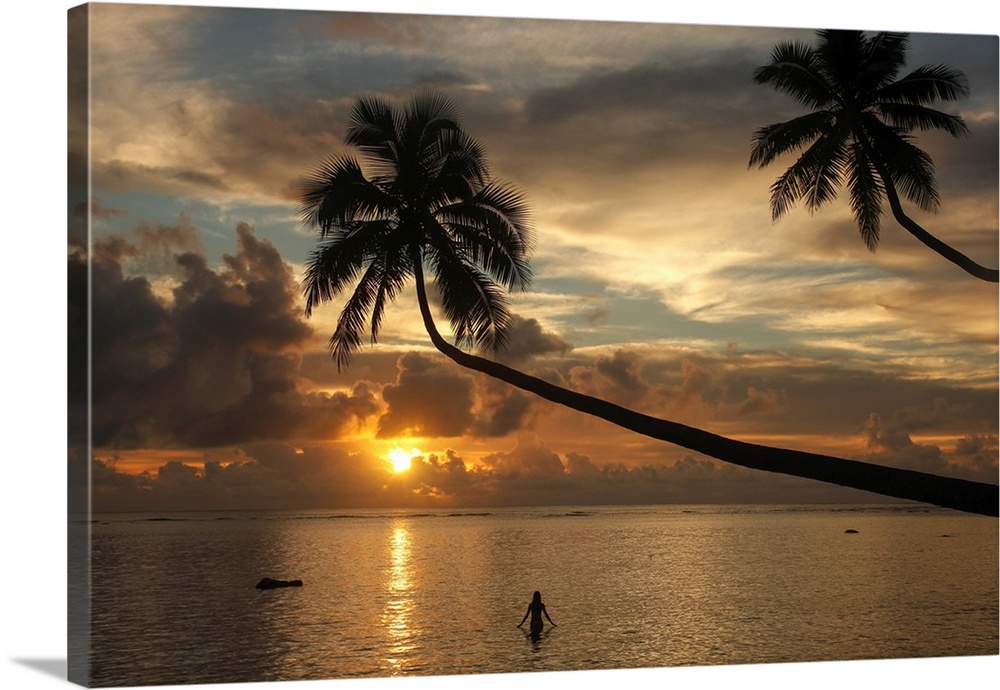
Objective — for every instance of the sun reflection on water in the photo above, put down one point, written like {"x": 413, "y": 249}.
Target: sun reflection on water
{"x": 399, "y": 607}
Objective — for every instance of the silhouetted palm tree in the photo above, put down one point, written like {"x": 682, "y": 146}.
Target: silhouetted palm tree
{"x": 430, "y": 201}
{"x": 858, "y": 130}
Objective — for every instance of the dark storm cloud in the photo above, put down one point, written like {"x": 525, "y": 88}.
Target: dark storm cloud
{"x": 773, "y": 392}
{"x": 616, "y": 377}
{"x": 428, "y": 399}
{"x": 528, "y": 339}
{"x": 528, "y": 459}
{"x": 214, "y": 362}
{"x": 379, "y": 366}
{"x": 433, "y": 397}
{"x": 533, "y": 473}
{"x": 890, "y": 439}
{"x": 650, "y": 114}
{"x": 974, "y": 457}
{"x": 708, "y": 87}
{"x": 501, "y": 409}
{"x": 447, "y": 476}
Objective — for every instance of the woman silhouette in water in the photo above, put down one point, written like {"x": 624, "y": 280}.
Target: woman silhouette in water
{"x": 535, "y": 609}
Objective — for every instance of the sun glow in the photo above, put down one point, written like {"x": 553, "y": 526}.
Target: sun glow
{"x": 401, "y": 459}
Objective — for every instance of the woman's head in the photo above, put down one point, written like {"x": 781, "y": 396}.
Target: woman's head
{"x": 536, "y": 598}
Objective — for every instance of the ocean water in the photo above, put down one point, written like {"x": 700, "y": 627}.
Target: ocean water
{"x": 397, "y": 593}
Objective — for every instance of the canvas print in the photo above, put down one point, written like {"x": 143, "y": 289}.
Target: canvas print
{"x": 415, "y": 345}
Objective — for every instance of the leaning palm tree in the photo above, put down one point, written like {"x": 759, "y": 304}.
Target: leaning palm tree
{"x": 858, "y": 131}
{"x": 428, "y": 201}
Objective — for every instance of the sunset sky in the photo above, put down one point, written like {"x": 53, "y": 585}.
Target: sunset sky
{"x": 661, "y": 282}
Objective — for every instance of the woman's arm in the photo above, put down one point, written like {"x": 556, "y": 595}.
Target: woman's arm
{"x": 526, "y": 614}
{"x": 546, "y": 612}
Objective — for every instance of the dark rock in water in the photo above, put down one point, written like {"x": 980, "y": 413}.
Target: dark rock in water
{"x": 268, "y": 583}
{"x": 850, "y": 531}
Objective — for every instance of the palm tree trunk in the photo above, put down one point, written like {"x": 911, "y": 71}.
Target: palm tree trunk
{"x": 960, "y": 494}
{"x": 990, "y": 275}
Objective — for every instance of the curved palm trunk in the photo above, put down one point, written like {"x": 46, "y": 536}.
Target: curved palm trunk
{"x": 991, "y": 275}
{"x": 948, "y": 252}
{"x": 960, "y": 494}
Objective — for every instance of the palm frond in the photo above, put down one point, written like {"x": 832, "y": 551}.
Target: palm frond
{"x": 793, "y": 71}
{"x": 906, "y": 116}
{"x": 346, "y": 339}
{"x": 475, "y": 306}
{"x": 337, "y": 260}
{"x": 493, "y": 230}
{"x": 813, "y": 178}
{"x": 827, "y": 160}
{"x": 373, "y": 128}
{"x": 464, "y": 168}
{"x": 772, "y": 141}
{"x": 337, "y": 193}
{"x": 841, "y": 56}
{"x": 884, "y": 56}
{"x": 915, "y": 178}
{"x": 427, "y": 114}
{"x": 785, "y": 191}
{"x": 396, "y": 270}
{"x": 428, "y": 117}
{"x": 925, "y": 85}
{"x": 909, "y": 168}
{"x": 867, "y": 194}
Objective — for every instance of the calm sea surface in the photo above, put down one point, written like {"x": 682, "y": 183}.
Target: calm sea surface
{"x": 390, "y": 593}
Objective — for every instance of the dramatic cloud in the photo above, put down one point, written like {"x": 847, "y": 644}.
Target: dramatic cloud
{"x": 616, "y": 377}
{"x": 277, "y": 476}
{"x": 207, "y": 356}
{"x": 660, "y": 281}
{"x": 973, "y": 456}
{"x": 433, "y": 397}
{"x": 528, "y": 459}
{"x": 187, "y": 355}
{"x": 429, "y": 398}
{"x": 659, "y": 112}
{"x": 528, "y": 338}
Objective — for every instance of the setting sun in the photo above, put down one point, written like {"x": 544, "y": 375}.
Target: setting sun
{"x": 401, "y": 459}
